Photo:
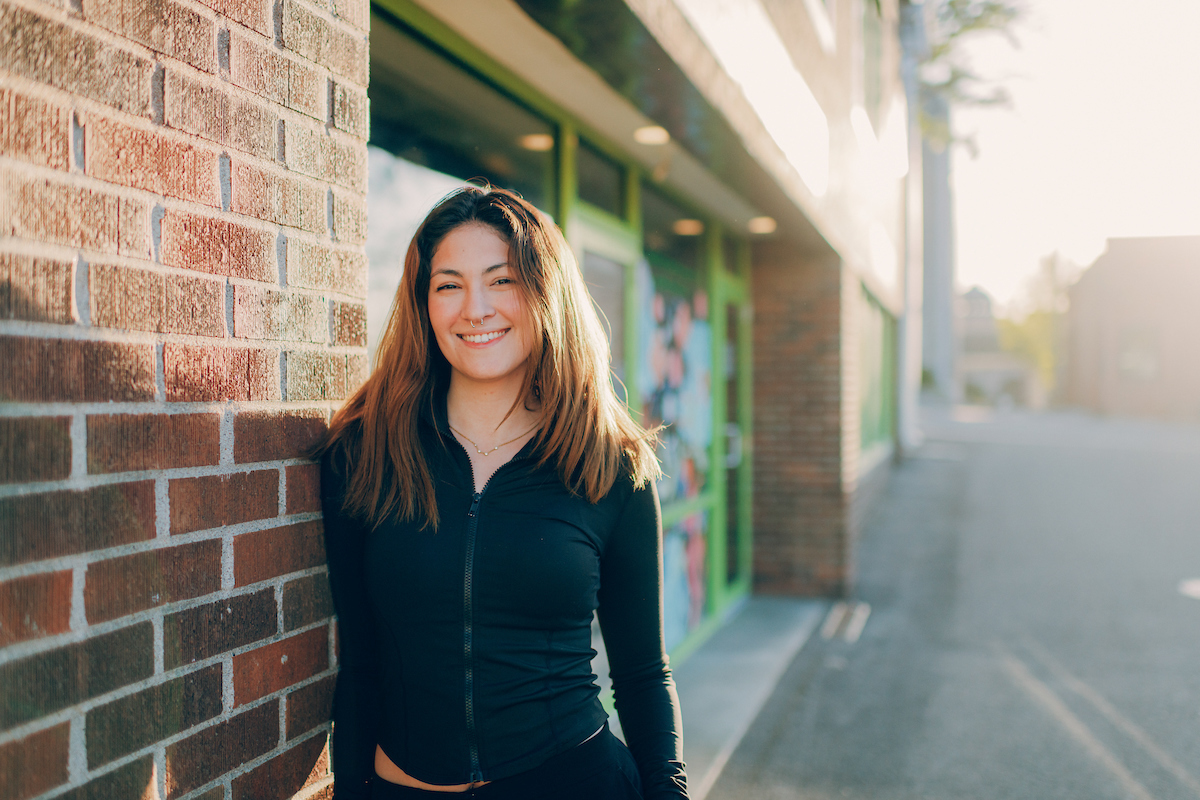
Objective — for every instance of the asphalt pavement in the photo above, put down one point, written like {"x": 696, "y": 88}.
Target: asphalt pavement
{"x": 1022, "y": 626}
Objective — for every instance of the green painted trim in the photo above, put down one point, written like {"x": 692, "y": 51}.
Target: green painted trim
{"x": 673, "y": 513}
{"x": 718, "y": 533}
{"x": 568, "y": 145}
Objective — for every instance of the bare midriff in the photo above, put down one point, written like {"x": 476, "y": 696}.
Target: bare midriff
{"x": 386, "y": 769}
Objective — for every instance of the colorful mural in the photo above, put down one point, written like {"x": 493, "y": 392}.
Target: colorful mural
{"x": 685, "y": 550}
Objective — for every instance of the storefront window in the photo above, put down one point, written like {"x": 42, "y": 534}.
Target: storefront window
{"x": 600, "y": 180}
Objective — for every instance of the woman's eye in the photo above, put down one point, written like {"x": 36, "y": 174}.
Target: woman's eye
{"x": 446, "y": 286}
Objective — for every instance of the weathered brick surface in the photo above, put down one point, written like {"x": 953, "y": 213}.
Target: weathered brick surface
{"x": 211, "y": 501}
{"x": 275, "y": 435}
{"x": 134, "y": 780}
{"x": 317, "y": 266}
{"x": 211, "y": 111}
{"x": 255, "y": 65}
{"x": 60, "y": 55}
{"x": 286, "y": 773}
{"x": 208, "y": 630}
{"x": 34, "y": 130}
{"x": 350, "y": 111}
{"x": 53, "y": 524}
{"x": 315, "y": 152}
{"x": 358, "y": 368}
{"x": 139, "y": 719}
{"x": 309, "y": 706}
{"x": 76, "y": 672}
{"x": 303, "y": 488}
{"x": 275, "y": 666}
{"x": 306, "y": 600}
{"x": 220, "y": 748}
{"x": 36, "y": 289}
{"x": 146, "y": 159}
{"x": 211, "y": 244}
{"x": 35, "y": 764}
{"x": 50, "y": 210}
{"x": 349, "y": 218}
{"x": 315, "y": 375}
{"x": 254, "y": 14}
{"x": 71, "y": 370}
{"x": 162, "y": 25}
{"x": 261, "y": 313}
{"x": 129, "y": 442}
{"x": 266, "y": 554}
{"x": 277, "y": 197}
{"x": 309, "y": 35}
{"x": 34, "y": 449}
{"x": 35, "y": 606}
{"x": 143, "y": 300}
{"x": 136, "y": 582}
{"x": 195, "y": 373}
{"x": 348, "y": 324}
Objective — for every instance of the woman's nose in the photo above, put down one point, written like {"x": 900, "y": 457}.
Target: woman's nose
{"x": 477, "y": 305}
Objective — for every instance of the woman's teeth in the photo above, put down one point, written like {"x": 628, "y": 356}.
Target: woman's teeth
{"x": 481, "y": 338}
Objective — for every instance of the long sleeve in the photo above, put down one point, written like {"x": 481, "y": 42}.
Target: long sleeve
{"x": 357, "y": 697}
{"x": 630, "y": 613}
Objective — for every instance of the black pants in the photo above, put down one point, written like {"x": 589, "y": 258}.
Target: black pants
{"x": 601, "y": 768}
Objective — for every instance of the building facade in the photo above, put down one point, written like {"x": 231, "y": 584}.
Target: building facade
{"x": 205, "y": 207}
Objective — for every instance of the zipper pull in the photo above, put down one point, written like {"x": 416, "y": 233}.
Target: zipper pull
{"x": 474, "y": 504}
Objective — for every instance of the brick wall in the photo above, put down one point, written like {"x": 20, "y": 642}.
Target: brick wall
{"x": 805, "y": 421}
{"x": 182, "y": 216}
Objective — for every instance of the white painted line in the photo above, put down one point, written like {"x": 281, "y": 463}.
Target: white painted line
{"x": 834, "y": 620}
{"x": 1131, "y": 729}
{"x": 1051, "y": 702}
{"x": 1190, "y": 588}
{"x": 858, "y": 621}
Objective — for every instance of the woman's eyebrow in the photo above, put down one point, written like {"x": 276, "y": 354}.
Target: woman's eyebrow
{"x": 457, "y": 274}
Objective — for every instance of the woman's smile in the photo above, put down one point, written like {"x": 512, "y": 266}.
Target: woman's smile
{"x": 482, "y": 338}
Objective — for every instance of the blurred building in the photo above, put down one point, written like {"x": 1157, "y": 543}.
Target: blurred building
{"x": 987, "y": 374}
{"x": 1134, "y": 332}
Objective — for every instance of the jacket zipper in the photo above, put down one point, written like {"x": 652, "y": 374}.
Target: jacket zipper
{"x": 468, "y": 631}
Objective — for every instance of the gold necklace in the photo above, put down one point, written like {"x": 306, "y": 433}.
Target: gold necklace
{"x": 494, "y": 449}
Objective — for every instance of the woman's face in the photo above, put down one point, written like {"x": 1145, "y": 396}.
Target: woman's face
{"x": 476, "y": 309}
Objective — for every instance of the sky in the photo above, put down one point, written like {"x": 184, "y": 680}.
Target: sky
{"x": 1102, "y": 138}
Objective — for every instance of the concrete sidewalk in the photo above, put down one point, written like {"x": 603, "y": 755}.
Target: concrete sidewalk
{"x": 724, "y": 684}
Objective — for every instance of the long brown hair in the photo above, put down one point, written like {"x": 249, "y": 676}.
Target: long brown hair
{"x": 584, "y": 428}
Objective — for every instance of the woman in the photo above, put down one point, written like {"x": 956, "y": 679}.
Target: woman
{"x": 484, "y": 492}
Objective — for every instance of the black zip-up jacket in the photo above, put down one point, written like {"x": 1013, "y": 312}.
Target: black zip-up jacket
{"x": 465, "y": 653}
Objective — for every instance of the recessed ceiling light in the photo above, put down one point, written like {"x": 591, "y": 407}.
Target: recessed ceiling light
{"x": 651, "y": 134}
{"x": 688, "y": 227}
{"x": 761, "y": 225}
{"x": 537, "y": 142}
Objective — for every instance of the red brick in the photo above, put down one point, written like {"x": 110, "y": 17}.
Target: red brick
{"x": 315, "y": 375}
{"x": 276, "y": 435}
{"x": 316, "y": 266}
{"x": 59, "y": 55}
{"x": 128, "y": 584}
{"x": 309, "y": 706}
{"x": 34, "y": 448}
{"x": 355, "y": 12}
{"x": 141, "y": 300}
{"x": 303, "y": 488}
{"x": 134, "y": 721}
{"x": 350, "y": 111}
{"x": 47, "y": 682}
{"x": 36, "y": 289}
{"x": 35, "y": 606}
{"x": 263, "y": 555}
{"x": 261, "y": 313}
{"x": 132, "y": 442}
{"x": 33, "y": 130}
{"x": 285, "y": 774}
{"x": 306, "y": 600}
{"x": 209, "y": 630}
{"x": 358, "y": 368}
{"x": 254, "y": 14}
{"x": 162, "y": 25}
{"x": 313, "y": 37}
{"x": 151, "y": 160}
{"x": 215, "y": 500}
{"x": 267, "y": 669}
{"x": 35, "y": 764}
{"x": 276, "y": 197}
{"x": 58, "y": 213}
{"x": 349, "y": 324}
{"x": 208, "y": 244}
{"x": 135, "y": 780}
{"x": 35, "y": 527}
{"x": 214, "y": 113}
{"x": 196, "y": 373}
{"x": 69, "y": 370}
{"x": 256, "y": 66}
{"x": 315, "y": 152}
{"x": 349, "y": 218}
{"x": 216, "y": 750}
